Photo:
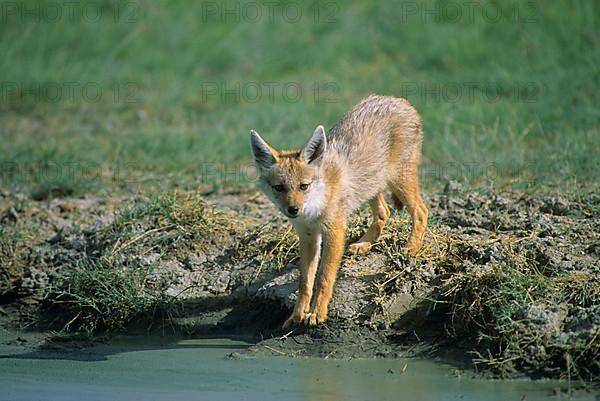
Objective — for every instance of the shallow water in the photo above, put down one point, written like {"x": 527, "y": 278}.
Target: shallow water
{"x": 145, "y": 369}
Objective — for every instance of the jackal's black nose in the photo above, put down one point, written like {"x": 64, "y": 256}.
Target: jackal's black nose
{"x": 292, "y": 210}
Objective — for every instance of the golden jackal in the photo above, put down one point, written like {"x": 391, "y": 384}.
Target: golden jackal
{"x": 376, "y": 146}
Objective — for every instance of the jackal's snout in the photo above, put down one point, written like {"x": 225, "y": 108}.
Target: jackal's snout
{"x": 292, "y": 211}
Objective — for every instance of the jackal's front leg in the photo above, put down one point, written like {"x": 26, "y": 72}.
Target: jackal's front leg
{"x": 310, "y": 246}
{"x": 333, "y": 250}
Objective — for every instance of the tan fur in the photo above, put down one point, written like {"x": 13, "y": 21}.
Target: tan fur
{"x": 375, "y": 147}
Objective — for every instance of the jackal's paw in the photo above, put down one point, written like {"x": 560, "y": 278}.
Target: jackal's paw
{"x": 315, "y": 318}
{"x": 411, "y": 249}
{"x": 359, "y": 248}
{"x": 295, "y": 319}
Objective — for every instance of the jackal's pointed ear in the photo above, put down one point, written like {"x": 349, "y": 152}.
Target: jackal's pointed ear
{"x": 315, "y": 148}
{"x": 264, "y": 155}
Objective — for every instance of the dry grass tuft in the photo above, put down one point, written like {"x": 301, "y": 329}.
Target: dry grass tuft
{"x": 272, "y": 245}
{"x": 490, "y": 290}
{"x": 109, "y": 285}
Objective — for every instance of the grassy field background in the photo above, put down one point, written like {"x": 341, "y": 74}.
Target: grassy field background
{"x": 510, "y": 99}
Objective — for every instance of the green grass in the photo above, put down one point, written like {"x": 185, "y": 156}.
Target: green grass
{"x": 174, "y": 51}
{"x": 96, "y": 296}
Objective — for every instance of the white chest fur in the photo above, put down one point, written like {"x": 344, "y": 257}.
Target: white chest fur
{"x": 314, "y": 203}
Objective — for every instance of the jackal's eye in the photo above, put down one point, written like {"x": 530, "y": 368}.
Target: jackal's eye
{"x": 304, "y": 187}
{"x": 278, "y": 188}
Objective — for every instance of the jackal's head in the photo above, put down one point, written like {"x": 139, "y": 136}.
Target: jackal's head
{"x": 290, "y": 178}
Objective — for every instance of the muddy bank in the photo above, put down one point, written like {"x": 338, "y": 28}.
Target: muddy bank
{"x": 508, "y": 282}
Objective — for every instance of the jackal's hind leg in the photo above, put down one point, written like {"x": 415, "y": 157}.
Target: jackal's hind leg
{"x": 406, "y": 188}
{"x": 381, "y": 212}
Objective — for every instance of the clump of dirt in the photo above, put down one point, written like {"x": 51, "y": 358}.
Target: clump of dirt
{"x": 511, "y": 280}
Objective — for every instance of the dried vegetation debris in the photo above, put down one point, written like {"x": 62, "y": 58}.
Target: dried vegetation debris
{"x": 513, "y": 277}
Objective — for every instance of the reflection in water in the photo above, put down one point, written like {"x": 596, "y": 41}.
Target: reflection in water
{"x": 410, "y": 380}
{"x": 321, "y": 383}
